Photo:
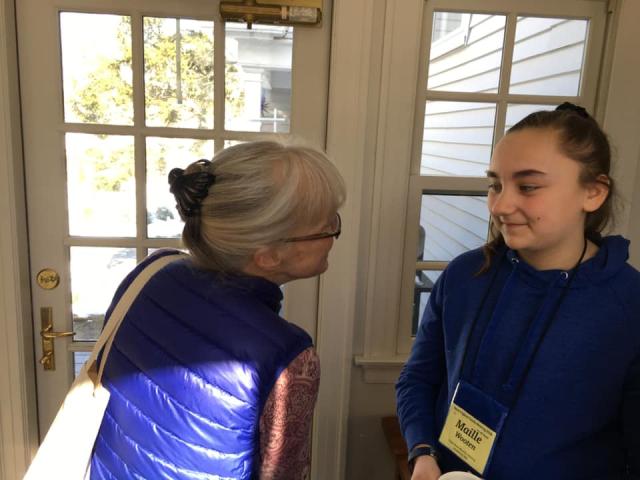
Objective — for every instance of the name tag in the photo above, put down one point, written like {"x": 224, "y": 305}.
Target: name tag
{"x": 473, "y": 423}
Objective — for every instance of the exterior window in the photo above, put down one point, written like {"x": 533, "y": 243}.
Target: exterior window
{"x": 481, "y": 73}
{"x": 444, "y": 23}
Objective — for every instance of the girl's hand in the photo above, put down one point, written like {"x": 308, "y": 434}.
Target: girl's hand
{"x": 426, "y": 468}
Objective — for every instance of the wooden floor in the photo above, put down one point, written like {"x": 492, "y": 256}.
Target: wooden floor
{"x": 397, "y": 446}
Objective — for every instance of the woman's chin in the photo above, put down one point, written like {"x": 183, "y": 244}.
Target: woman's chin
{"x": 323, "y": 268}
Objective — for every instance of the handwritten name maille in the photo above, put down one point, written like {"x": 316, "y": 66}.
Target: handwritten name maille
{"x": 472, "y": 433}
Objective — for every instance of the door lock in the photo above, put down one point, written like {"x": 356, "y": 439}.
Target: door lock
{"x": 48, "y": 359}
{"x": 48, "y": 279}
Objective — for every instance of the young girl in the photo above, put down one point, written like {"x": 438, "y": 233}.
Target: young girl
{"x": 527, "y": 362}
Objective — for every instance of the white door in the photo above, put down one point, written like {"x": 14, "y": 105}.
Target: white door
{"x": 115, "y": 94}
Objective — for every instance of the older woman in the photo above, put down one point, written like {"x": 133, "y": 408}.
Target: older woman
{"x": 206, "y": 379}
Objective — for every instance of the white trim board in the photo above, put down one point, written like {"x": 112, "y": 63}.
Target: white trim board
{"x": 346, "y": 146}
{"x": 18, "y": 426}
{"x": 622, "y": 114}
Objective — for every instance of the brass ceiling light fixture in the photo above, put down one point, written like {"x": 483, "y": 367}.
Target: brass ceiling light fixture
{"x": 272, "y": 12}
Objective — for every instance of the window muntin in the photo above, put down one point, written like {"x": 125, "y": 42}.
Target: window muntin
{"x": 474, "y": 65}
{"x": 123, "y": 133}
{"x": 449, "y": 225}
{"x": 453, "y": 146}
{"x": 178, "y": 72}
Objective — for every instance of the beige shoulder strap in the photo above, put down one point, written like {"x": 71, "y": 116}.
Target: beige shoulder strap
{"x": 117, "y": 315}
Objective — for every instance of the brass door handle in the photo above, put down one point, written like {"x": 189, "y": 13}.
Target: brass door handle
{"x": 50, "y": 334}
{"x": 48, "y": 359}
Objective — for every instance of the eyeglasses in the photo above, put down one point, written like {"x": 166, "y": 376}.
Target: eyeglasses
{"x": 335, "y": 233}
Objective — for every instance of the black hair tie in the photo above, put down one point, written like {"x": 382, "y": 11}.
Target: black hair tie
{"x": 190, "y": 189}
{"x": 568, "y": 106}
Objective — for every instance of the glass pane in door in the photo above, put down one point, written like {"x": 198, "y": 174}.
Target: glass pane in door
{"x": 258, "y": 78}
{"x": 79, "y": 358}
{"x": 101, "y": 189}
{"x": 96, "y": 68}
{"x": 96, "y": 272}
{"x": 164, "y": 154}
{"x": 178, "y": 72}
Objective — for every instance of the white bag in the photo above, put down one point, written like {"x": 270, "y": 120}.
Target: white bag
{"x": 66, "y": 450}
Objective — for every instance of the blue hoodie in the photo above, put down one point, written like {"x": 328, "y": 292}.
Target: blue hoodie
{"x": 577, "y": 415}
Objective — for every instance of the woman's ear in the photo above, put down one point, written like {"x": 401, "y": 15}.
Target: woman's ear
{"x": 267, "y": 258}
{"x": 597, "y": 193}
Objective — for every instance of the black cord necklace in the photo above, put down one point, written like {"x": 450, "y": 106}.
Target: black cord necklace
{"x": 550, "y": 318}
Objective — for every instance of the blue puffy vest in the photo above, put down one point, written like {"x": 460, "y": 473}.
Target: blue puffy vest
{"x": 191, "y": 368}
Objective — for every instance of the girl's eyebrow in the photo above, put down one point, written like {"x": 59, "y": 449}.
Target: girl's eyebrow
{"x": 518, "y": 174}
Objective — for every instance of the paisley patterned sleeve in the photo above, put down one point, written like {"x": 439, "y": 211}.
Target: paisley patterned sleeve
{"x": 285, "y": 424}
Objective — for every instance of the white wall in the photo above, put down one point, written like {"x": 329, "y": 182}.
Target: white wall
{"x": 622, "y": 121}
{"x": 18, "y": 427}
{"x": 367, "y": 456}
{"x": 367, "y": 453}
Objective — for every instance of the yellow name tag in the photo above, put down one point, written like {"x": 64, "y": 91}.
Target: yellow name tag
{"x": 468, "y": 438}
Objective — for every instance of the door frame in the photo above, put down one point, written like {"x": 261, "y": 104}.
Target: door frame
{"x": 348, "y": 117}
{"x": 18, "y": 411}
{"x": 45, "y": 133}
{"x": 345, "y": 144}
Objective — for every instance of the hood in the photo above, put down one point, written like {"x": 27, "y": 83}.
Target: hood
{"x": 610, "y": 259}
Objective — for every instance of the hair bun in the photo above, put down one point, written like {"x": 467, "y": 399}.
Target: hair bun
{"x": 174, "y": 175}
{"x": 568, "y": 106}
{"x": 190, "y": 189}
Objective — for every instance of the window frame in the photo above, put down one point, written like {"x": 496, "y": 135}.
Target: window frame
{"x": 399, "y": 186}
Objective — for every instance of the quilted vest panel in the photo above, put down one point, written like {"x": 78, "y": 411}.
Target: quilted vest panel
{"x": 191, "y": 368}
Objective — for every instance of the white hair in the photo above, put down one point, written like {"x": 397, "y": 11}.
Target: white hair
{"x": 262, "y": 192}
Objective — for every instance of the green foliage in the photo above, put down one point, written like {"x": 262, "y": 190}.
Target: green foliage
{"x": 107, "y": 169}
{"x": 106, "y": 95}
{"x": 178, "y": 87}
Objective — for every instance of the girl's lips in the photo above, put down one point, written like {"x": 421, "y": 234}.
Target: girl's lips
{"x": 513, "y": 226}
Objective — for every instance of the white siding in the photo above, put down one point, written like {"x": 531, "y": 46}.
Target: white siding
{"x": 458, "y": 136}
{"x": 548, "y": 57}
{"x": 453, "y": 224}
